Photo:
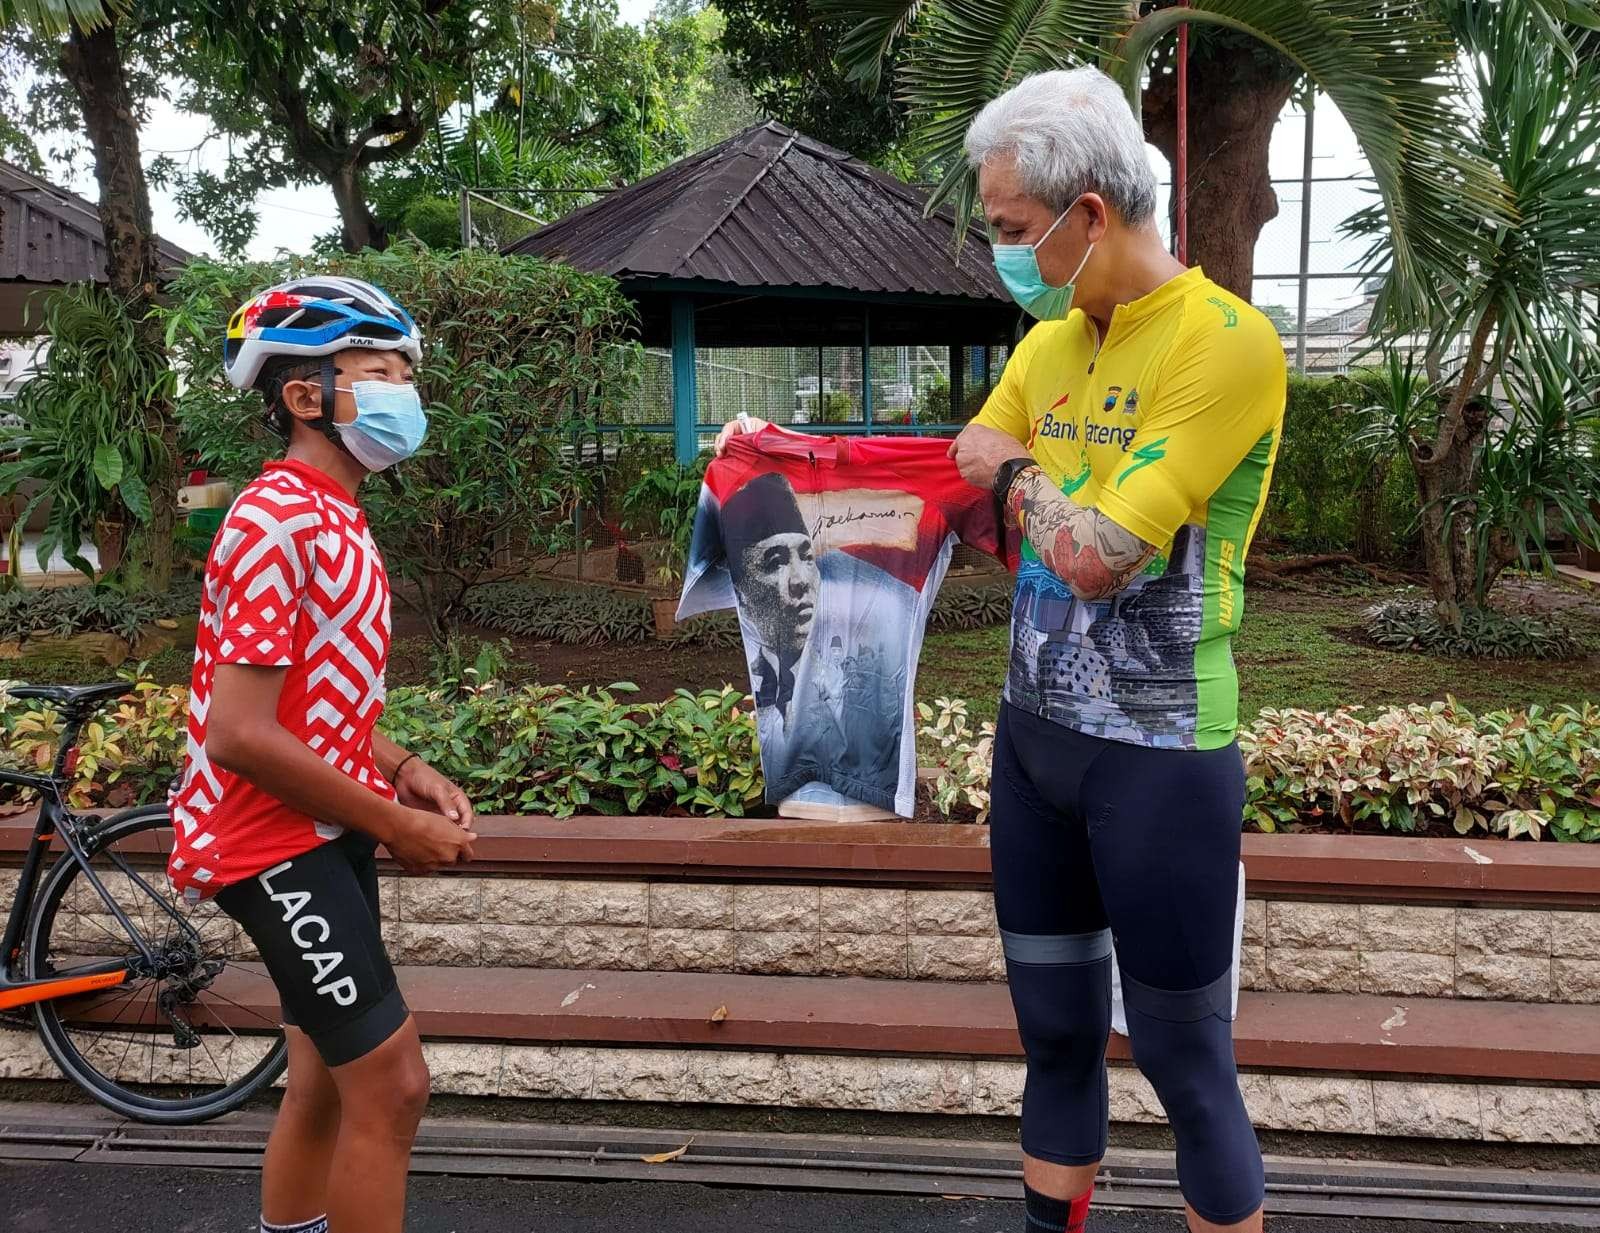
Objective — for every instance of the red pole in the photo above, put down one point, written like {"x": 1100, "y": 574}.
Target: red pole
{"x": 1181, "y": 171}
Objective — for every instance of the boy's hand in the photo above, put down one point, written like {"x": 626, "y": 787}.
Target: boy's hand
{"x": 422, "y": 787}
{"x": 424, "y": 842}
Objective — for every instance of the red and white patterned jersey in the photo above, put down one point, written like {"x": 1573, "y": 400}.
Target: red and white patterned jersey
{"x": 294, "y": 580}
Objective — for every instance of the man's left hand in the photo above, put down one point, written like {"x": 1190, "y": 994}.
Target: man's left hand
{"x": 980, "y": 450}
{"x": 421, "y": 787}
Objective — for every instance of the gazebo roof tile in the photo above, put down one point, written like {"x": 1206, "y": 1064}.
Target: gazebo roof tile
{"x": 770, "y": 207}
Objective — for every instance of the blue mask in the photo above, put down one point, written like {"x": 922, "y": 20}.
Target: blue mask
{"x": 389, "y": 424}
{"x": 1018, "y": 267}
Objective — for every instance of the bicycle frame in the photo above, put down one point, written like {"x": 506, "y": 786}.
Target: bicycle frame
{"x": 55, "y": 819}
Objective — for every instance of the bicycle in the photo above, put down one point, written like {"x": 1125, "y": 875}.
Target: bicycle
{"x": 150, "y": 1003}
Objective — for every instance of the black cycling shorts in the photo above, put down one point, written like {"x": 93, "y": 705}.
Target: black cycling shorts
{"x": 316, "y": 922}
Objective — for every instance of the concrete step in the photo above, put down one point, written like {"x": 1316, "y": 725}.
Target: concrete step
{"x": 1315, "y": 1032}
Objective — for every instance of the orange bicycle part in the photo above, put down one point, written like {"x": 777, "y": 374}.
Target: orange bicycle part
{"x": 48, "y": 990}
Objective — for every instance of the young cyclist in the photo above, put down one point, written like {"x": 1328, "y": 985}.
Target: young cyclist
{"x": 288, "y": 789}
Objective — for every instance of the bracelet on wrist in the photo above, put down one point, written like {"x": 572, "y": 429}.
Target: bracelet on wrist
{"x": 395, "y": 778}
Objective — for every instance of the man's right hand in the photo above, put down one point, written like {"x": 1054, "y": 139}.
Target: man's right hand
{"x": 425, "y": 842}
{"x": 734, "y": 428}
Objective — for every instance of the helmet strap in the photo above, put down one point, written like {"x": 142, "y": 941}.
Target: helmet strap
{"x": 326, "y": 422}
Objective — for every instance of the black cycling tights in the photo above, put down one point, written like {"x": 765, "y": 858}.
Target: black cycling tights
{"x": 1095, "y": 839}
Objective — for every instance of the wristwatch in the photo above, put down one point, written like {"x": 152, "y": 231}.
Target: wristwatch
{"x": 1006, "y": 474}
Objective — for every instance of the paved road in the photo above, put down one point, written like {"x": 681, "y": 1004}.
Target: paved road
{"x": 73, "y": 1198}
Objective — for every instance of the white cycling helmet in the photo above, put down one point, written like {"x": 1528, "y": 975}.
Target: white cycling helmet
{"x": 313, "y": 317}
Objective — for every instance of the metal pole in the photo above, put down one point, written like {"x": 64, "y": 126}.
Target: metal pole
{"x": 466, "y": 220}
{"x": 1305, "y": 232}
{"x": 1181, "y": 172}
{"x": 958, "y": 382}
{"x": 866, "y": 366}
{"x": 817, "y": 416}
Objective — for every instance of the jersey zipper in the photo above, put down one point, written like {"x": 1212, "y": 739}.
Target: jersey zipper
{"x": 1099, "y": 342}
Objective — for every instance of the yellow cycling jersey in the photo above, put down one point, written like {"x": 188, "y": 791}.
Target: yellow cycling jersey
{"x": 1169, "y": 427}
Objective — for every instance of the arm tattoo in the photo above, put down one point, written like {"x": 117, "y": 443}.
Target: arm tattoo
{"x": 1081, "y": 546}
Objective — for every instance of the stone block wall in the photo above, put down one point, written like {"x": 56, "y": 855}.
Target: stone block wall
{"x": 1487, "y": 1112}
{"x": 693, "y": 927}
{"x": 1289, "y": 946}
{"x": 1520, "y": 955}
{"x": 1438, "y": 952}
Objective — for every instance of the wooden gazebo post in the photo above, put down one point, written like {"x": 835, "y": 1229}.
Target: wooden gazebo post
{"x": 685, "y": 398}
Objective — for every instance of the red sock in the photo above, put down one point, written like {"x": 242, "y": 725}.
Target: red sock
{"x": 1047, "y": 1215}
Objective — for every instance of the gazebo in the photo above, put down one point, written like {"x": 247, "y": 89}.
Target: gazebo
{"x": 48, "y": 238}
{"x": 771, "y": 239}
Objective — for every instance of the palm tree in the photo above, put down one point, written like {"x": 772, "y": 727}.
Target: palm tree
{"x": 90, "y": 58}
{"x": 1503, "y": 450}
{"x": 1387, "y": 65}
{"x": 1483, "y": 224}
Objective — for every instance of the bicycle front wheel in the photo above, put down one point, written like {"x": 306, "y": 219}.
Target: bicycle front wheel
{"x": 194, "y": 1031}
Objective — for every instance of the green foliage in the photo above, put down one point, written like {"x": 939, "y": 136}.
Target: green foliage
{"x": 60, "y": 612}
{"x": 717, "y": 630}
{"x": 575, "y": 617}
{"x": 661, "y": 504}
{"x": 1539, "y": 469}
{"x": 962, "y": 756}
{"x": 86, "y": 443}
{"x": 518, "y": 354}
{"x": 971, "y": 607}
{"x": 933, "y": 404}
{"x": 1333, "y": 474}
{"x": 1385, "y": 66}
{"x": 548, "y": 750}
{"x": 436, "y": 221}
{"x": 595, "y": 616}
{"x": 1529, "y": 113}
{"x": 544, "y": 749}
{"x": 54, "y": 17}
{"x": 1415, "y": 625}
{"x": 320, "y": 93}
{"x": 786, "y": 54}
{"x": 1515, "y": 773}
{"x": 127, "y": 758}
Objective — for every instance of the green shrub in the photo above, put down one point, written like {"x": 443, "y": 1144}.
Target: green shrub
{"x": 717, "y": 630}
{"x": 588, "y": 616}
{"x": 92, "y": 440}
{"x": 1325, "y": 484}
{"x": 518, "y": 355}
{"x": 60, "y": 612}
{"x": 127, "y": 758}
{"x": 661, "y": 502}
{"x": 971, "y": 607}
{"x": 545, "y": 749}
{"x": 1510, "y": 772}
{"x": 933, "y": 404}
{"x": 1408, "y": 624}
{"x": 594, "y": 616}
{"x": 962, "y": 756}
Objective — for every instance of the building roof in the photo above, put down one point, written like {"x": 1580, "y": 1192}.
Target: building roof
{"x": 771, "y": 208}
{"x": 48, "y": 235}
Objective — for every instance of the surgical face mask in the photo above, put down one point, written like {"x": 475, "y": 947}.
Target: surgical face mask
{"x": 1018, "y": 267}
{"x": 389, "y": 424}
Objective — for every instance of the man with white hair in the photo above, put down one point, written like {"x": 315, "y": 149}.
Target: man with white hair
{"x": 1131, "y": 439}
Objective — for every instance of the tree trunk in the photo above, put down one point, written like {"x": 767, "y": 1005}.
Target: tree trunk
{"x": 1447, "y": 473}
{"x": 1372, "y": 541}
{"x": 360, "y": 228}
{"x": 92, "y": 63}
{"x": 1235, "y": 95}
